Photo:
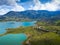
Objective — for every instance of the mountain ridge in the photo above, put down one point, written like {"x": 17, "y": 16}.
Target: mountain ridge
{"x": 34, "y": 14}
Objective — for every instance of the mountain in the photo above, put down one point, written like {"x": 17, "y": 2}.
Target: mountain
{"x": 41, "y": 15}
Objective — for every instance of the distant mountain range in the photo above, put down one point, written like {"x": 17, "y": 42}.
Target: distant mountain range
{"x": 41, "y": 15}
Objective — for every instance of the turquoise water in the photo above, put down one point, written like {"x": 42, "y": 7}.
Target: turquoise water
{"x": 13, "y": 24}
{"x": 12, "y": 39}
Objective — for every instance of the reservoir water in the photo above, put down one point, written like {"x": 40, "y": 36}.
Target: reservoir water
{"x": 13, "y": 39}
{"x": 13, "y": 24}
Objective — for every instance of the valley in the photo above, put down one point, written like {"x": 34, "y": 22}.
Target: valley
{"x": 41, "y": 27}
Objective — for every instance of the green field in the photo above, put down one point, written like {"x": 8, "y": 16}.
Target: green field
{"x": 39, "y": 34}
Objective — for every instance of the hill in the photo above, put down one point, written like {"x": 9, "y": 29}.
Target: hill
{"x": 41, "y": 15}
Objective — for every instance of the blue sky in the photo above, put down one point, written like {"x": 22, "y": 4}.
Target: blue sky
{"x": 45, "y": 1}
{"x": 22, "y": 5}
{"x": 42, "y": 1}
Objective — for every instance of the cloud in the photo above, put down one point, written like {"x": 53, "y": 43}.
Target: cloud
{"x": 9, "y": 5}
{"x": 52, "y": 6}
{"x": 13, "y": 5}
{"x": 17, "y": 8}
{"x": 7, "y": 2}
{"x": 3, "y": 11}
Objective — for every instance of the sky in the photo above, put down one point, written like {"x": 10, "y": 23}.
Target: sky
{"x": 22, "y": 5}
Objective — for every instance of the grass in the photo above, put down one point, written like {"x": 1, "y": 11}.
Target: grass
{"x": 39, "y": 37}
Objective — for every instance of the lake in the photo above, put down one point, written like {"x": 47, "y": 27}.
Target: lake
{"x": 13, "y": 39}
{"x": 13, "y": 24}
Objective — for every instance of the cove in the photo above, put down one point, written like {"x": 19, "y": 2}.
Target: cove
{"x": 12, "y": 39}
